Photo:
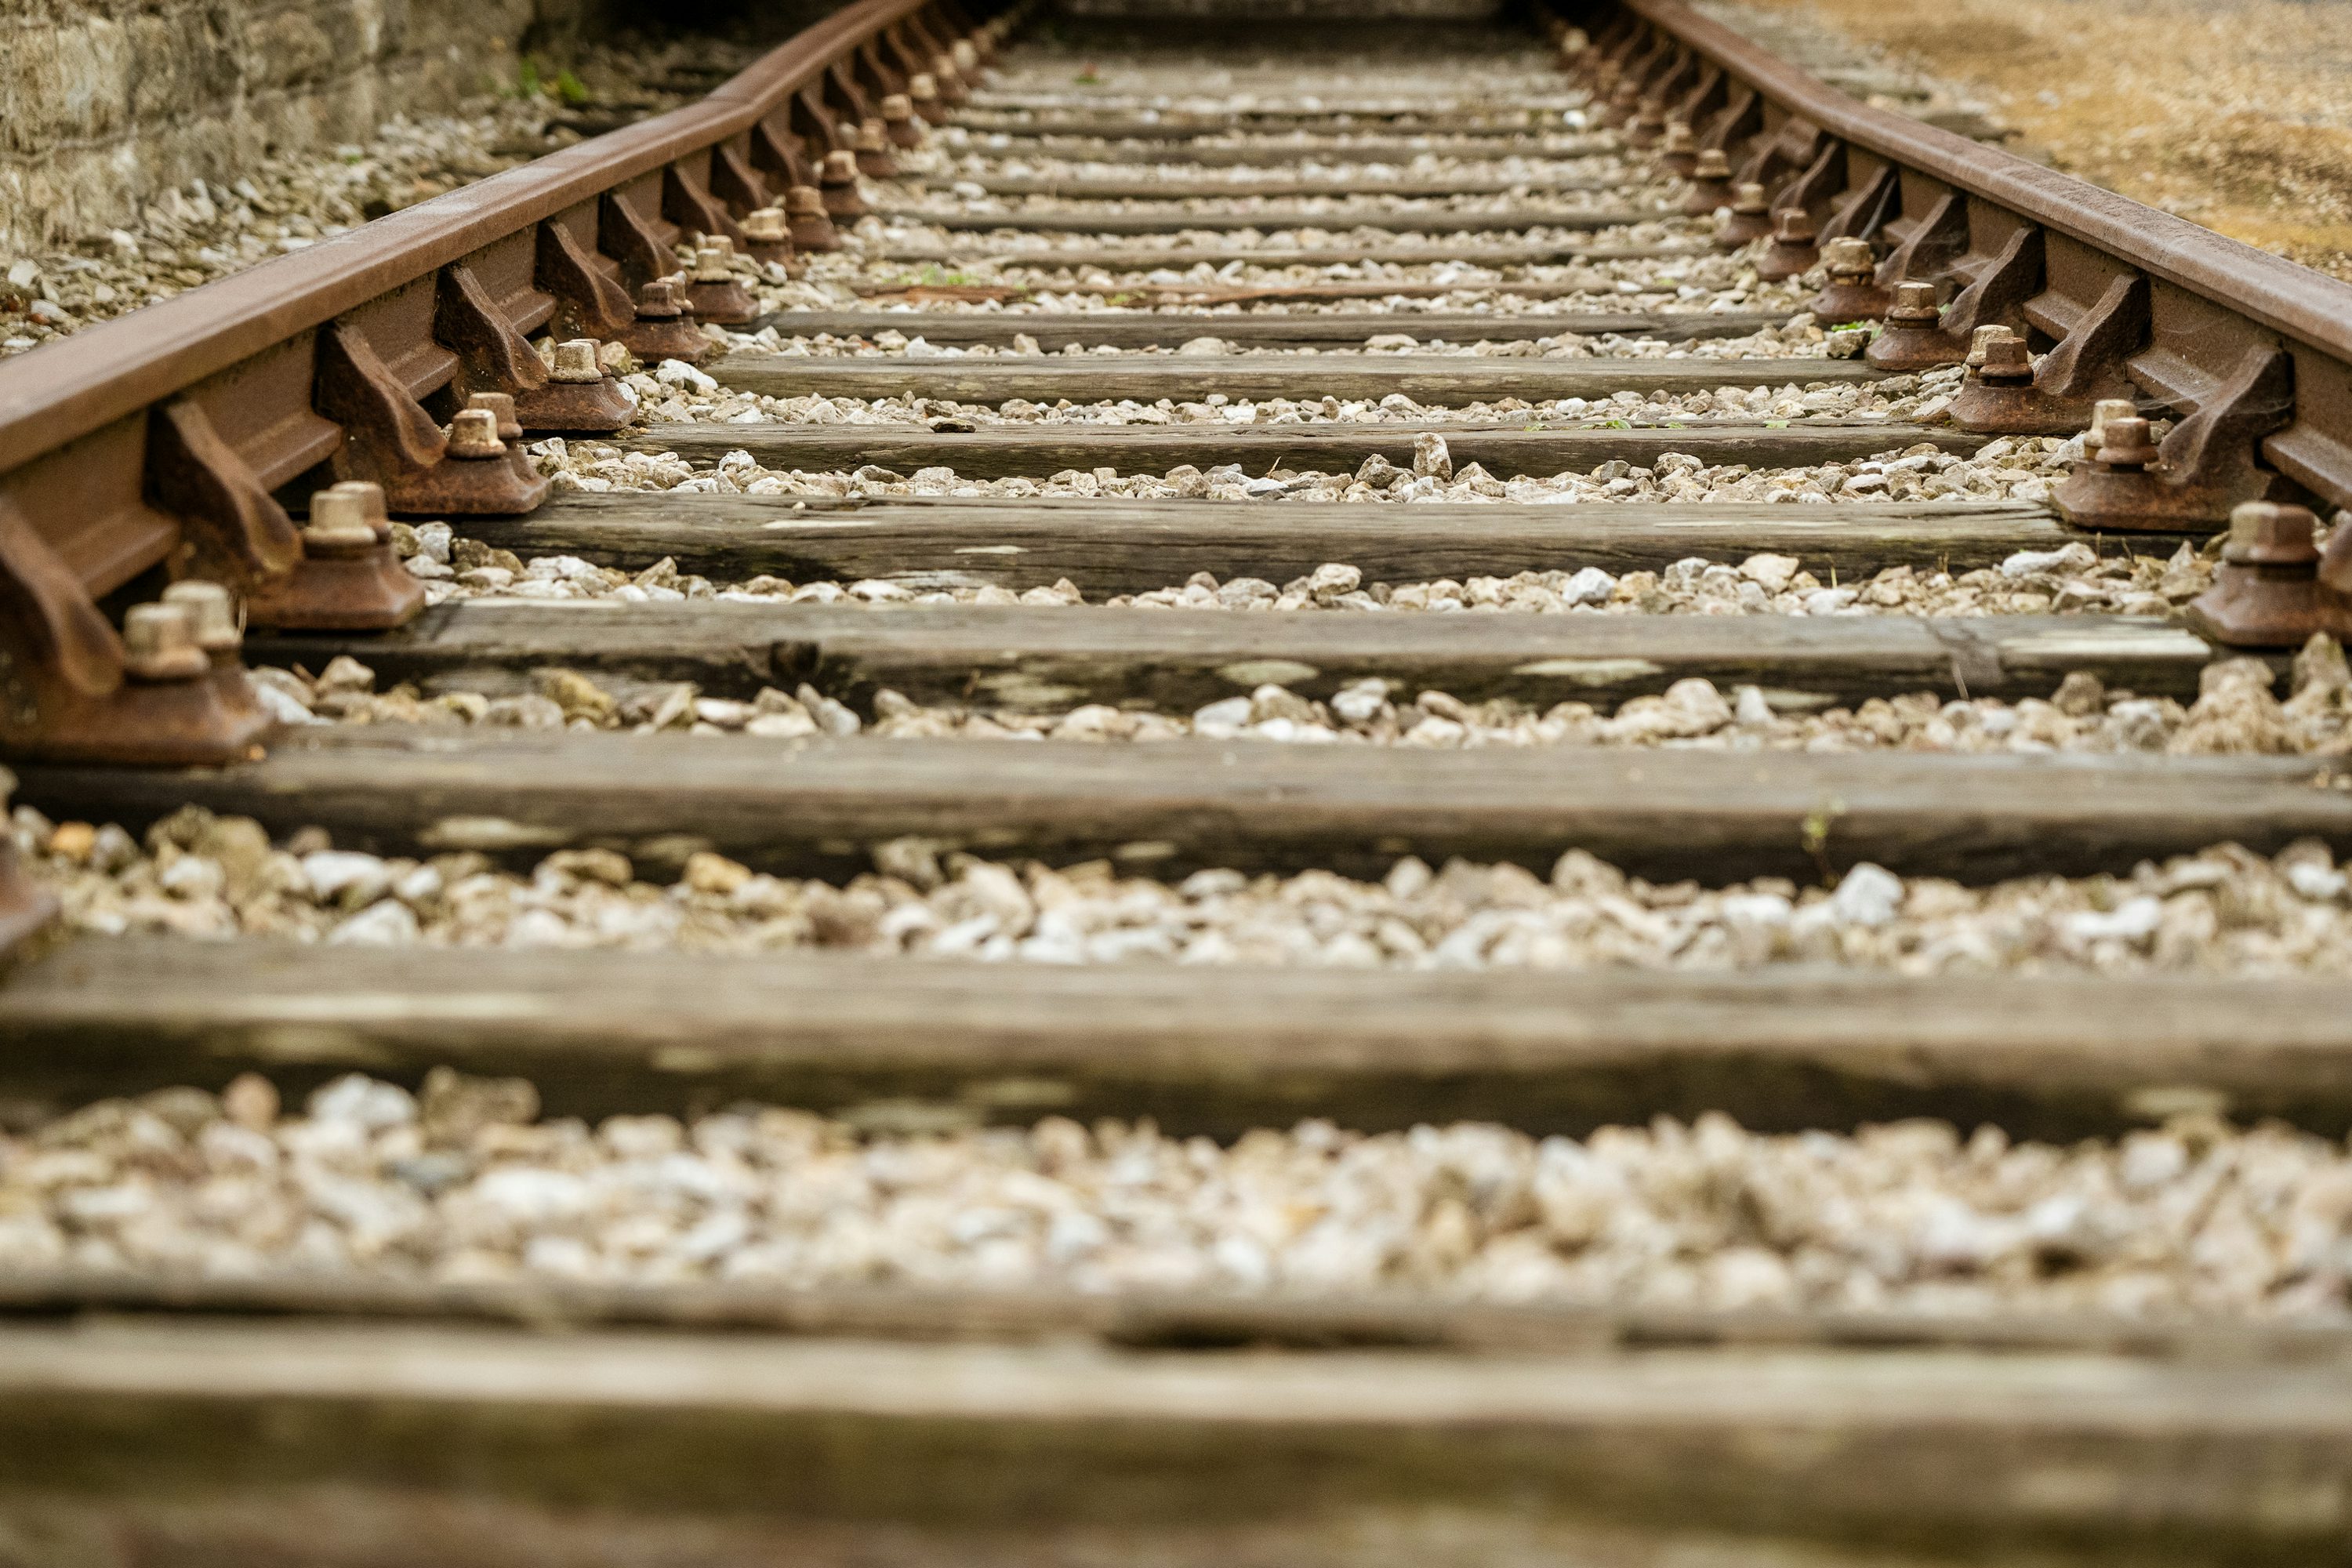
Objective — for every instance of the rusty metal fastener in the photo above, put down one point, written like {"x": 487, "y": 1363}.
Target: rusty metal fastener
{"x": 2107, "y": 408}
{"x": 898, "y": 121}
{"x": 1751, "y": 218}
{"x": 713, "y": 293}
{"x": 576, "y": 363}
{"x": 2207, "y": 465}
{"x": 1678, "y": 153}
{"x": 1792, "y": 252}
{"x": 1852, "y": 293}
{"x": 769, "y": 231}
{"x": 1997, "y": 397}
{"x": 1623, "y": 99}
{"x": 872, "y": 140}
{"x": 500, "y": 407}
{"x": 813, "y": 229}
{"x": 1649, "y": 127}
{"x": 1913, "y": 338}
{"x": 474, "y": 436}
{"x": 219, "y": 632}
{"x": 2273, "y": 588}
{"x": 661, "y": 330}
{"x": 339, "y": 526}
{"x": 1710, "y": 184}
{"x": 211, "y": 612}
{"x": 158, "y": 645}
{"x": 837, "y": 178}
{"x": 351, "y": 578}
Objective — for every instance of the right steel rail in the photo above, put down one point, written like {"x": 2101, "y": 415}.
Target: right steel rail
{"x": 1970, "y": 246}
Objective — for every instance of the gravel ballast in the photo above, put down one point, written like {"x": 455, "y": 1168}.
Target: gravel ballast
{"x": 466, "y": 1184}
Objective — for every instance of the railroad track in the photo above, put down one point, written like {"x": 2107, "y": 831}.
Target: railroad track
{"x": 1493, "y": 582}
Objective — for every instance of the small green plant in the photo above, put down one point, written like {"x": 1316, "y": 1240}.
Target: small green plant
{"x": 531, "y": 80}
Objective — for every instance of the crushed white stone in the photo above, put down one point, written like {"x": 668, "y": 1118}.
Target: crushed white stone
{"x": 2223, "y": 910}
{"x": 466, "y": 1182}
{"x": 2236, "y": 713}
{"x": 2075, "y": 577}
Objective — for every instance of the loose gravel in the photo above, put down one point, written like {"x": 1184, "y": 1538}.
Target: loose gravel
{"x": 2236, "y": 713}
{"x": 466, "y": 1182}
{"x": 2224, "y": 911}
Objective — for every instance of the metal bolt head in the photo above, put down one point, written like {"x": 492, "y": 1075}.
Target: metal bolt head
{"x": 768, "y": 226}
{"x": 710, "y": 262}
{"x": 2123, "y": 442}
{"x": 873, "y": 136}
{"x": 1714, "y": 164}
{"x": 213, "y": 609}
{"x": 1793, "y": 224}
{"x": 922, "y": 87}
{"x": 1749, "y": 198}
{"x": 474, "y": 433}
{"x": 1977, "y": 342}
{"x": 159, "y": 643}
{"x": 967, "y": 56}
{"x": 804, "y": 201}
{"x": 840, "y": 168}
{"x": 576, "y": 363}
{"x": 1679, "y": 136}
{"x": 1914, "y": 306}
{"x": 658, "y": 299}
{"x": 898, "y": 106}
{"x": 2262, "y": 533}
{"x": 2105, "y": 409}
{"x": 370, "y": 495}
{"x": 2005, "y": 354}
{"x": 1849, "y": 258}
{"x": 500, "y": 406}
{"x": 339, "y": 522}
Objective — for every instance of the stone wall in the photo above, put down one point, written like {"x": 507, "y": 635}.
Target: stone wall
{"x": 106, "y": 103}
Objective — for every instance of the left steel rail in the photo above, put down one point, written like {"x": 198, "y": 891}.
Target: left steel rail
{"x": 396, "y": 362}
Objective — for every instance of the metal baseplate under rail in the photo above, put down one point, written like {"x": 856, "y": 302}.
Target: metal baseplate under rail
{"x": 234, "y": 456}
{"x": 2073, "y": 310}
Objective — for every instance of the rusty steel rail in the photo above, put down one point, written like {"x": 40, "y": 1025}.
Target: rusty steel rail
{"x": 393, "y": 360}
{"x": 2078, "y": 309}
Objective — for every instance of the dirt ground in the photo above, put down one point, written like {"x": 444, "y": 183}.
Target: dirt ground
{"x": 2236, "y": 115}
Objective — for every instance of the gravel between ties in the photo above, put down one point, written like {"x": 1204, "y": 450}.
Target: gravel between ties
{"x": 466, "y": 1183}
{"x": 2223, "y": 910}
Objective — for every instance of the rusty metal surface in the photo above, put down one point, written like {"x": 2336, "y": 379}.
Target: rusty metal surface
{"x": 2268, "y": 288}
{"x": 2128, "y": 298}
{"x": 72, "y": 387}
